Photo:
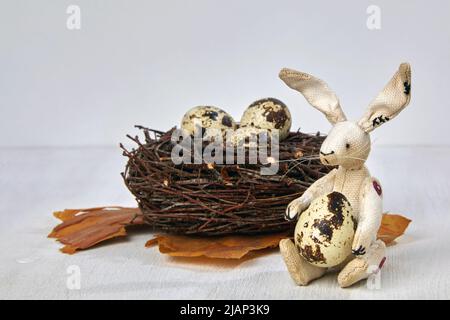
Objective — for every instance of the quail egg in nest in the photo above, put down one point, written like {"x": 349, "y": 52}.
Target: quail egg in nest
{"x": 269, "y": 114}
{"x": 210, "y": 120}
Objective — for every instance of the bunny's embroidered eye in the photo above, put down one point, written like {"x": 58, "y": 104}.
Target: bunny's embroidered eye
{"x": 347, "y": 145}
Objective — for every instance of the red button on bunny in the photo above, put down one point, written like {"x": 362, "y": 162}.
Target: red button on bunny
{"x": 377, "y": 187}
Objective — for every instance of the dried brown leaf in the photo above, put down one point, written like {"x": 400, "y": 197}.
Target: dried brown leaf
{"x": 226, "y": 247}
{"x": 84, "y": 228}
{"x": 392, "y": 227}
{"x": 236, "y": 247}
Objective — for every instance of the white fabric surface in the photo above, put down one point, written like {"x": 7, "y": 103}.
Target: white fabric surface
{"x": 36, "y": 181}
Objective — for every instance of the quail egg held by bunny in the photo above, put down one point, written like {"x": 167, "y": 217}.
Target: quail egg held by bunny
{"x": 324, "y": 233}
{"x": 269, "y": 114}
{"x": 209, "y": 119}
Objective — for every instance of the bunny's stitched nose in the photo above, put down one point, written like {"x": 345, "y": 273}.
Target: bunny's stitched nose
{"x": 323, "y": 157}
{"x": 326, "y": 154}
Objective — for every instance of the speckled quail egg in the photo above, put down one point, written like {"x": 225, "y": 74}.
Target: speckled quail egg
{"x": 211, "y": 119}
{"x": 268, "y": 113}
{"x": 324, "y": 233}
{"x": 248, "y": 136}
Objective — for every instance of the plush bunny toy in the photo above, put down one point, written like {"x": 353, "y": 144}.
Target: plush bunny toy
{"x": 346, "y": 146}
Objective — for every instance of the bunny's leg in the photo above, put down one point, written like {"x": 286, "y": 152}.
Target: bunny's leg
{"x": 300, "y": 270}
{"x": 362, "y": 267}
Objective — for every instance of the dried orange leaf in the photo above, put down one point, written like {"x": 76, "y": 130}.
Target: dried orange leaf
{"x": 226, "y": 247}
{"x": 151, "y": 242}
{"x": 236, "y": 247}
{"x": 84, "y": 228}
{"x": 392, "y": 227}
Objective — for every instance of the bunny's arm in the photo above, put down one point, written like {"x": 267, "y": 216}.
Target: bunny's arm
{"x": 318, "y": 188}
{"x": 370, "y": 215}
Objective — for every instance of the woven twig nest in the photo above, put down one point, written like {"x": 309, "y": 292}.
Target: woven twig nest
{"x": 202, "y": 199}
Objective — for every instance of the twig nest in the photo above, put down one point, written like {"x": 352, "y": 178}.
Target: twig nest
{"x": 209, "y": 119}
{"x": 218, "y": 199}
{"x": 324, "y": 233}
{"x": 269, "y": 114}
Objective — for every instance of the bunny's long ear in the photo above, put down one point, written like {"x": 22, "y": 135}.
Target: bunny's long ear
{"x": 316, "y": 93}
{"x": 389, "y": 102}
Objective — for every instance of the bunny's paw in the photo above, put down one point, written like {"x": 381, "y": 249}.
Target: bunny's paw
{"x": 360, "y": 251}
{"x": 360, "y": 244}
{"x": 294, "y": 208}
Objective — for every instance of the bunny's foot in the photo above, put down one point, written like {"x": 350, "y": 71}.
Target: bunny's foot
{"x": 300, "y": 270}
{"x": 362, "y": 267}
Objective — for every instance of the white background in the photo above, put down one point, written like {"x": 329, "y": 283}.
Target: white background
{"x": 147, "y": 62}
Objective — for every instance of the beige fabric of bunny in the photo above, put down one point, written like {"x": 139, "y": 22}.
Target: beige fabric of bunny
{"x": 347, "y": 146}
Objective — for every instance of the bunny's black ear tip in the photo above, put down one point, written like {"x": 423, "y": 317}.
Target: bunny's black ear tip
{"x": 287, "y": 74}
{"x": 405, "y": 73}
{"x": 284, "y": 72}
{"x": 405, "y": 67}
